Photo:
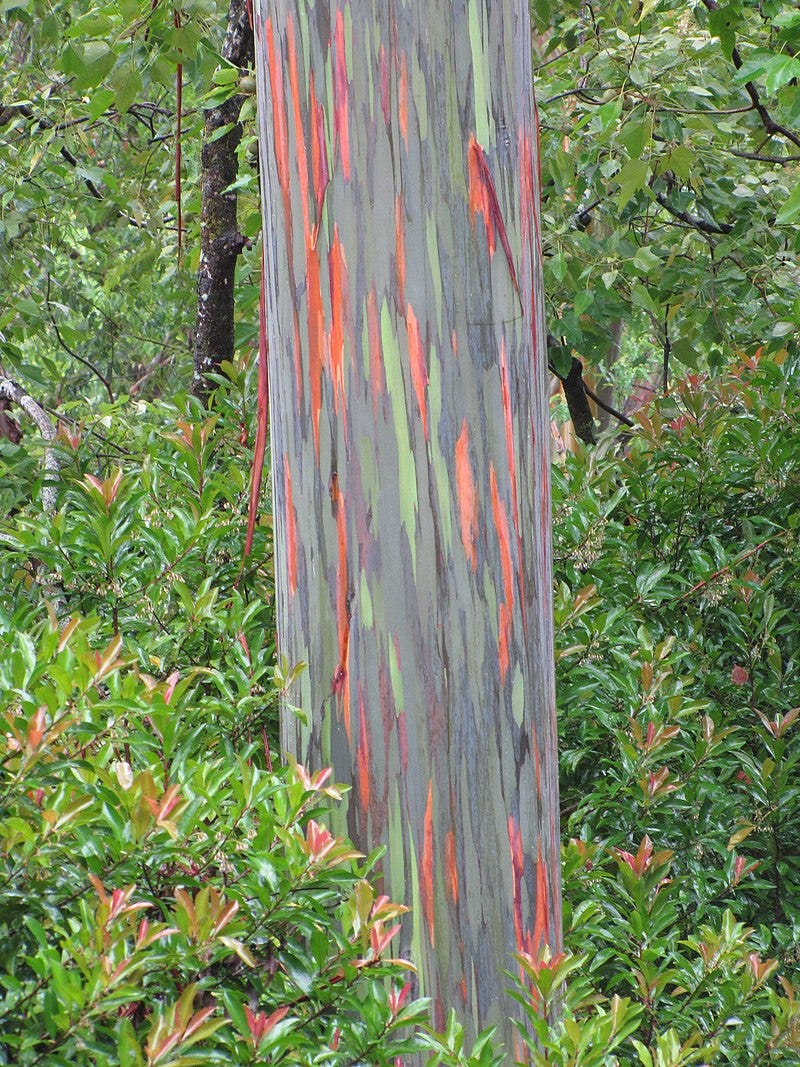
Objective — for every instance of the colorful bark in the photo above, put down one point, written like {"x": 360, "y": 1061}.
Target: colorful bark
{"x": 410, "y": 439}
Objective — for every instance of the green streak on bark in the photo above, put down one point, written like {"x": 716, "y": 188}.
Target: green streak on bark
{"x": 478, "y": 60}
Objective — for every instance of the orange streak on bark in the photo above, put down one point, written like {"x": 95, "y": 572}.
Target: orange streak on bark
{"x": 400, "y": 249}
{"x": 419, "y": 372}
{"x": 505, "y": 609}
{"x": 316, "y": 337}
{"x": 375, "y": 350}
{"x": 319, "y": 156}
{"x": 467, "y": 497}
{"x": 483, "y": 198}
{"x": 402, "y": 98}
{"x": 541, "y": 923}
{"x": 426, "y": 867}
{"x": 362, "y": 755}
{"x": 450, "y": 865}
{"x": 340, "y": 91}
{"x": 291, "y": 528}
{"x": 337, "y": 269}
{"x": 479, "y": 194}
{"x": 299, "y": 134}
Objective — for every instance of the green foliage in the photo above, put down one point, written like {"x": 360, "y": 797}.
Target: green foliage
{"x": 96, "y": 294}
{"x": 166, "y": 896}
{"x": 670, "y": 152}
{"x": 678, "y": 590}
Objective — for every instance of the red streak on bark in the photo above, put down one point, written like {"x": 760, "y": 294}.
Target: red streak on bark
{"x": 340, "y": 94}
{"x": 419, "y": 372}
{"x": 362, "y": 755}
{"x": 541, "y": 923}
{"x": 402, "y": 98}
{"x": 517, "y": 870}
{"x": 340, "y": 299}
{"x": 426, "y": 867}
{"x": 375, "y": 350}
{"x": 319, "y": 157}
{"x": 467, "y": 497}
{"x": 400, "y": 249}
{"x": 483, "y": 198}
{"x": 451, "y": 866}
{"x": 291, "y": 528}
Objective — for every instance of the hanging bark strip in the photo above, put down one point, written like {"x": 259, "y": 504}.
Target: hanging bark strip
{"x": 262, "y": 417}
{"x": 410, "y": 439}
{"x": 178, "y": 131}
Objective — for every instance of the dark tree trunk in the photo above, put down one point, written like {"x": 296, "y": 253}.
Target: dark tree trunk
{"x": 221, "y": 241}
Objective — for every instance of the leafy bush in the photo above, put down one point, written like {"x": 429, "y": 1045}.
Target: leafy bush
{"x": 166, "y": 896}
{"x": 678, "y": 591}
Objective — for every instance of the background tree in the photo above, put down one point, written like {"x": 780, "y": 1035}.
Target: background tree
{"x": 411, "y": 448}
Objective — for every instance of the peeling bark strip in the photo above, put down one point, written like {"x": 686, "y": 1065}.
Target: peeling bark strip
{"x": 411, "y": 447}
{"x": 9, "y": 390}
{"x": 220, "y": 240}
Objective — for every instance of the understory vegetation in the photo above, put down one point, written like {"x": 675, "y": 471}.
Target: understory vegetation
{"x": 170, "y": 894}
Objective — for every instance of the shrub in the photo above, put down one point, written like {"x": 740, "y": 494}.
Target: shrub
{"x": 678, "y": 591}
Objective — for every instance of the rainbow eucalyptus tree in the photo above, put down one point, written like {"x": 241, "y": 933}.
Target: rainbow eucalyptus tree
{"x": 410, "y": 446}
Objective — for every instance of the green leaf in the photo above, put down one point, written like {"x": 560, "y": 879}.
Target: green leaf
{"x": 791, "y": 209}
{"x": 646, "y": 260}
{"x": 631, "y": 179}
{"x": 634, "y": 136}
{"x": 126, "y": 82}
{"x": 97, "y": 60}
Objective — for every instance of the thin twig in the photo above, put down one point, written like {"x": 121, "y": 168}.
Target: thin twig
{"x": 71, "y": 351}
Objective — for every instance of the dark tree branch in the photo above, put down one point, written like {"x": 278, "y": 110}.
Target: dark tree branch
{"x": 71, "y": 351}
{"x": 767, "y": 120}
{"x": 607, "y": 407}
{"x": 695, "y": 221}
{"x": 782, "y": 161}
{"x": 575, "y": 394}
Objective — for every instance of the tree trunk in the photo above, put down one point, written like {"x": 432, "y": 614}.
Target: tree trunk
{"x": 220, "y": 239}
{"x": 410, "y": 446}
